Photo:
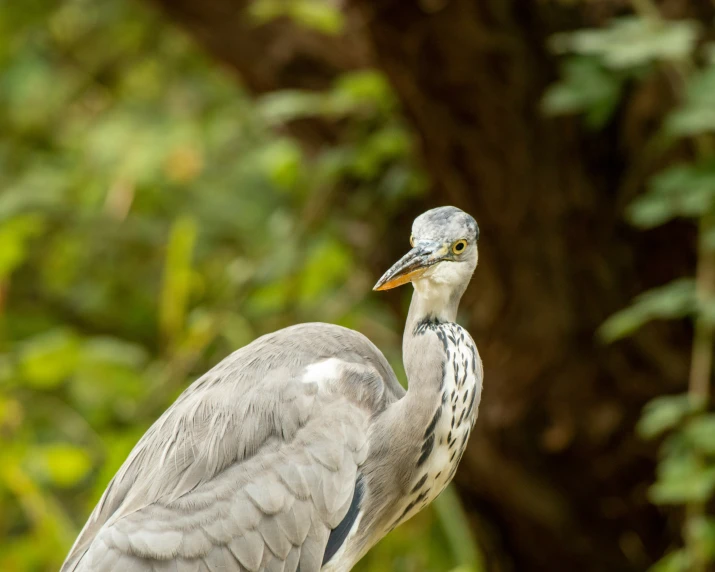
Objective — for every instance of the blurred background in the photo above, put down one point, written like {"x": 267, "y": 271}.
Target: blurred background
{"x": 178, "y": 177}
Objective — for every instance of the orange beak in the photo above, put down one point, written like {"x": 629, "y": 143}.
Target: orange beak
{"x": 412, "y": 265}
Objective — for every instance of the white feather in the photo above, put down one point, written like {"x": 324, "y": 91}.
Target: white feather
{"x": 322, "y": 371}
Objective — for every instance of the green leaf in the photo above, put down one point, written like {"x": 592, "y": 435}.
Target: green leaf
{"x": 328, "y": 264}
{"x": 697, "y": 113}
{"x": 706, "y": 310}
{"x": 237, "y": 330}
{"x": 11, "y": 413}
{"x": 700, "y": 432}
{"x": 585, "y": 87}
{"x": 686, "y": 190}
{"x": 288, "y": 105}
{"x": 15, "y": 235}
{"x": 632, "y": 41}
{"x": 271, "y": 298}
{"x": 708, "y": 51}
{"x": 454, "y": 521}
{"x": 676, "y": 561}
{"x": 28, "y": 79}
{"x": 282, "y": 161}
{"x": 48, "y": 359}
{"x": 176, "y": 289}
{"x": 263, "y": 11}
{"x": 664, "y": 413}
{"x": 385, "y": 145}
{"x": 708, "y": 239}
{"x": 319, "y": 15}
{"x": 63, "y": 464}
{"x": 353, "y": 92}
{"x": 108, "y": 350}
{"x": 109, "y": 378}
{"x": 674, "y": 300}
{"x": 701, "y": 535}
{"x": 200, "y": 331}
{"x": 38, "y": 189}
{"x": 682, "y": 478}
{"x": 357, "y": 89}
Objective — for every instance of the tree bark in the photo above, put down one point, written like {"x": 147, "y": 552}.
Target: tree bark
{"x": 554, "y": 477}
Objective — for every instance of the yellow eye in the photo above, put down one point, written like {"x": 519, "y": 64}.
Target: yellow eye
{"x": 412, "y": 241}
{"x": 459, "y": 246}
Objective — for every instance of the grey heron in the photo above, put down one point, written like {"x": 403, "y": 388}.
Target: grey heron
{"x": 301, "y": 450}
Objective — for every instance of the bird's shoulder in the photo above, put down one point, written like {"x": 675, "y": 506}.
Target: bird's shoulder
{"x": 339, "y": 360}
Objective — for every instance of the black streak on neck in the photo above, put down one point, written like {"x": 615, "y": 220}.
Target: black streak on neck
{"x": 425, "y": 324}
{"x": 430, "y": 323}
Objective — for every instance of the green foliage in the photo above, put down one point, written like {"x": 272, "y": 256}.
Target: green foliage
{"x": 601, "y": 60}
{"x": 631, "y": 41}
{"x": 319, "y": 15}
{"x": 686, "y": 472}
{"x": 682, "y": 477}
{"x": 696, "y": 114}
{"x": 666, "y": 412}
{"x": 674, "y": 300}
{"x": 675, "y": 561}
{"x": 630, "y": 48}
{"x": 451, "y": 546}
{"x": 60, "y": 464}
{"x": 686, "y": 190}
{"x": 700, "y": 433}
{"x": 585, "y": 87}
{"x": 176, "y": 288}
{"x": 454, "y": 523}
{"x": 702, "y": 532}
{"x": 14, "y": 237}
{"x": 151, "y": 222}
{"x": 363, "y": 93}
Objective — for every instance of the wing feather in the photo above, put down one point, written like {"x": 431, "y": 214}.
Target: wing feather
{"x": 164, "y": 566}
{"x": 269, "y": 496}
{"x": 275, "y": 538}
{"x": 252, "y": 466}
{"x": 262, "y": 525}
{"x": 291, "y": 561}
{"x": 248, "y": 549}
{"x": 295, "y": 523}
{"x": 294, "y": 480}
{"x": 311, "y": 551}
{"x": 182, "y": 565}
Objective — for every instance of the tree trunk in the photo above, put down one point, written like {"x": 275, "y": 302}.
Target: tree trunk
{"x": 554, "y": 477}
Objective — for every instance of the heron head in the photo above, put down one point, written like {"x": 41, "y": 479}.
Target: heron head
{"x": 443, "y": 256}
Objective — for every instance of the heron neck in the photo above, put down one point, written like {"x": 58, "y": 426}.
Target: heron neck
{"x": 423, "y": 354}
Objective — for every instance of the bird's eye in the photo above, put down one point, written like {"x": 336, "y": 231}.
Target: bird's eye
{"x": 459, "y": 246}
{"x": 412, "y": 241}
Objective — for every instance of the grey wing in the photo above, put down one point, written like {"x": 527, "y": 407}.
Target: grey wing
{"x": 241, "y": 474}
{"x": 272, "y": 512}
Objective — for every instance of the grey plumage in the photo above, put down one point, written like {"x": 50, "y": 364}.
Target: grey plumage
{"x": 258, "y": 461}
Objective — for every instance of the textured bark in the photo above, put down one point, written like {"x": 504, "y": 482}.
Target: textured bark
{"x": 555, "y": 477}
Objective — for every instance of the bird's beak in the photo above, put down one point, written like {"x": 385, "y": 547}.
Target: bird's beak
{"x": 412, "y": 265}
